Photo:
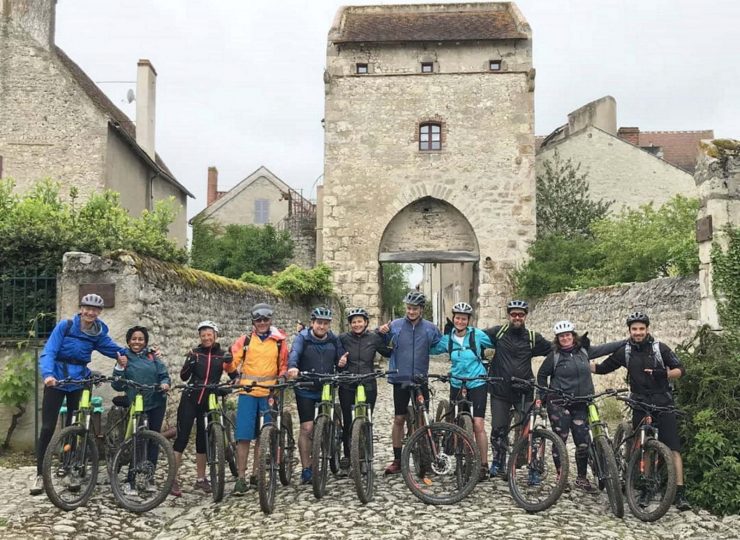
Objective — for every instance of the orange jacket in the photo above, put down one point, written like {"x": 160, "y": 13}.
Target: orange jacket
{"x": 260, "y": 361}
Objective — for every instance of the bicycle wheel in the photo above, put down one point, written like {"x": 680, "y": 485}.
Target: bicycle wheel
{"x": 535, "y": 485}
{"x": 621, "y": 446}
{"x": 70, "y": 467}
{"x": 443, "y": 411}
{"x": 320, "y": 448}
{"x": 361, "y": 458}
{"x": 145, "y": 471}
{"x": 336, "y": 443}
{"x": 609, "y": 474}
{"x": 466, "y": 422}
{"x": 650, "y": 481}
{"x": 451, "y": 452}
{"x": 230, "y": 451}
{"x": 287, "y": 450}
{"x": 217, "y": 460}
{"x": 267, "y": 471}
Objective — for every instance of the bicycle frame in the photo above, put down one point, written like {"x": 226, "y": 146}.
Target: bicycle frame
{"x": 325, "y": 406}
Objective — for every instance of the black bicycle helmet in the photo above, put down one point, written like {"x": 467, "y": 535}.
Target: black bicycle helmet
{"x": 415, "y": 298}
{"x": 261, "y": 310}
{"x": 321, "y": 314}
{"x": 638, "y": 316}
{"x": 517, "y": 304}
{"x": 354, "y": 312}
{"x": 463, "y": 308}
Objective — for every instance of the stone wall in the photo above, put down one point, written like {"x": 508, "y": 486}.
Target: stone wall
{"x": 303, "y": 234}
{"x": 671, "y": 303}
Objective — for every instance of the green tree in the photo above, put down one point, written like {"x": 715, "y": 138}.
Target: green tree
{"x": 16, "y": 389}
{"x": 564, "y": 205}
{"x": 235, "y": 249}
{"x": 394, "y": 287}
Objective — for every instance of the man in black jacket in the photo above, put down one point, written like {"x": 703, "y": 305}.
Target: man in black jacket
{"x": 515, "y": 346}
{"x": 650, "y": 364}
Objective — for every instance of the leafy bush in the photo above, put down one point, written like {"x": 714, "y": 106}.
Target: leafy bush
{"x": 296, "y": 283}
{"x": 16, "y": 389}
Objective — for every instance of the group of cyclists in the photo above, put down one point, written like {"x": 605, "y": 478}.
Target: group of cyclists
{"x": 262, "y": 356}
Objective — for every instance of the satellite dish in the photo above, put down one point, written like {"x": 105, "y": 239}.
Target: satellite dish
{"x": 130, "y": 95}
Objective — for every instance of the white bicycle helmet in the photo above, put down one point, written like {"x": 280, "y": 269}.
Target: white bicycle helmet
{"x": 92, "y": 300}
{"x": 207, "y": 324}
{"x": 463, "y": 308}
{"x": 563, "y": 326}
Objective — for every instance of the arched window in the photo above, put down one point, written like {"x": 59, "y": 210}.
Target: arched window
{"x": 430, "y": 136}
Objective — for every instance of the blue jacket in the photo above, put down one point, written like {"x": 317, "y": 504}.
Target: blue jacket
{"x": 309, "y": 353}
{"x": 465, "y": 361}
{"x": 77, "y": 347}
{"x": 143, "y": 368}
{"x": 411, "y": 345}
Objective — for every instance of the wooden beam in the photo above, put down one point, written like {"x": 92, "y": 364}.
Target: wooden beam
{"x": 428, "y": 256}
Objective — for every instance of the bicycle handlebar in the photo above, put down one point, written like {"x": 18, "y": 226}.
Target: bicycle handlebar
{"x": 648, "y": 407}
{"x": 570, "y": 398}
{"x": 92, "y": 380}
{"x": 211, "y": 386}
{"x": 137, "y": 385}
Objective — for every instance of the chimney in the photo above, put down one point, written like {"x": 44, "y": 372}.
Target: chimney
{"x": 146, "y": 94}
{"x": 36, "y": 17}
{"x": 630, "y": 134}
{"x": 212, "y": 186}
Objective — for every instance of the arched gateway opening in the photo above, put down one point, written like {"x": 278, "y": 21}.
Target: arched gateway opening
{"x": 436, "y": 235}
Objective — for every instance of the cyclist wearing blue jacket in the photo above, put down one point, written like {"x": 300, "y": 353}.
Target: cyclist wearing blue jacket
{"x": 465, "y": 343}
{"x": 66, "y": 355}
{"x": 319, "y": 350}
{"x": 411, "y": 338}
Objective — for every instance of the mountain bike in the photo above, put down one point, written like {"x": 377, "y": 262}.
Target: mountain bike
{"x": 276, "y": 444}
{"x": 649, "y": 471}
{"x": 70, "y": 464}
{"x": 215, "y": 436}
{"x": 327, "y": 430}
{"x": 439, "y": 461}
{"x": 600, "y": 452}
{"x": 539, "y": 485}
{"x": 142, "y": 467}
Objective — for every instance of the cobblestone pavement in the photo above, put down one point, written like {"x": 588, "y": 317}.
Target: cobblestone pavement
{"x": 395, "y": 512}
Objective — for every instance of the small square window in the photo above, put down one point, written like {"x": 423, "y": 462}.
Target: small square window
{"x": 427, "y": 67}
{"x": 362, "y": 69}
{"x": 494, "y": 65}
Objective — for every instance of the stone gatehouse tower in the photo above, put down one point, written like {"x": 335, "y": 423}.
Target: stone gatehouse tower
{"x": 429, "y": 146}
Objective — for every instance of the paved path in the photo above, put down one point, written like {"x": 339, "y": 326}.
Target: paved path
{"x": 395, "y": 512}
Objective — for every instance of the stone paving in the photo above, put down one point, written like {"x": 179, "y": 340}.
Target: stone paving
{"x": 395, "y": 512}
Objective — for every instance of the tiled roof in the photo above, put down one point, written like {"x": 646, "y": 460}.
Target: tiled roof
{"x": 492, "y": 21}
{"x": 681, "y": 148}
{"x": 116, "y": 115}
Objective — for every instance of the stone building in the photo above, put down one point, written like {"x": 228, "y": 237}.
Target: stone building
{"x": 56, "y": 123}
{"x": 429, "y": 146}
{"x": 625, "y": 165}
{"x": 263, "y": 198}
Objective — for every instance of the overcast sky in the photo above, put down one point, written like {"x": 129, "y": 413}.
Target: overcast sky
{"x": 240, "y": 82}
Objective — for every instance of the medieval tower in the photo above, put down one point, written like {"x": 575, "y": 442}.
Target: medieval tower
{"x": 429, "y": 147}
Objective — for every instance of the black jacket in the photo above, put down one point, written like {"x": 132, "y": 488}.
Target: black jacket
{"x": 643, "y": 386}
{"x": 513, "y": 358}
{"x": 362, "y": 349}
{"x": 204, "y": 365}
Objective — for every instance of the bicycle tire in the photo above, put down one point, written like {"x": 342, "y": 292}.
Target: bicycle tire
{"x": 361, "y": 459}
{"x": 217, "y": 462}
{"x": 436, "y": 436}
{"x": 608, "y": 466}
{"x": 634, "y": 482}
{"x": 320, "y": 448}
{"x": 443, "y": 411}
{"x": 540, "y": 464}
{"x": 336, "y": 443}
{"x": 267, "y": 470}
{"x": 71, "y": 435}
{"x": 230, "y": 449}
{"x": 287, "y": 450}
{"x": 621, "y": 447}
{"x": 125, "y": 452}
{"x": 466, "y": 422}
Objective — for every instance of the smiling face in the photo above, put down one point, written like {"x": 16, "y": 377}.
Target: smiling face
{"x": 358, "y": 323}
{"x": 460, "y": 321}
{"x": 413, "y": 313}
{"x": 565, "y": 340}
{"x": 638, "y": 332}
{"x": 320, "y": 327}
{"x": 261, "y": 325}
{"x": 517, "y": 318}
{"x": 137, "y": 342}
{"x": 207, "y": 337}
{"x": 89, "y": 314}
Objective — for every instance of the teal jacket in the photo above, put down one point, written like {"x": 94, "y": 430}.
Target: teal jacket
{"x": 465, "y": 361}
{"x": 143, "y": 368}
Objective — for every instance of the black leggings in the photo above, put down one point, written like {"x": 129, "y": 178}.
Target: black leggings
{"x": 50, "y": 405}
{"x": 188, "y": 411}
{"x": 575, "y": 420}
{"x": 347, "y": 399}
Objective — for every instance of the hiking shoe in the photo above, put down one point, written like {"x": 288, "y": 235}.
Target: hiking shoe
{"x": 681, "y": 503}
{"x": 643, "y": 499}
{"x": 37, "y": 488}
{"x": 493, "y": 472}
{"x": 73, "y": 483}
{"x": 394, "y": 467}
{"x": 204, "y": 485}
{"x": 533, "y": 478}
{"x": 253, "y": 480}
{"x": 583, "y": 483}
{"x": 483, "y": 474}
{"x": 150, "y": 487}
{"x": 306, "y": 475}
{"x": 129, "y": 490}
{"x": 240, "y": 487}
{"x": 175, "y": 490}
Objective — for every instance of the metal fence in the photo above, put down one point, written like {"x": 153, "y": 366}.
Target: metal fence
{"x": 28, "y": 301}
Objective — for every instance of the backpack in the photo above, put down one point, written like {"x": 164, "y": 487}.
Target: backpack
{"x": 505, "y": 327}
{"x": 657, "y": 360}
{"x": 472, "y": 347}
